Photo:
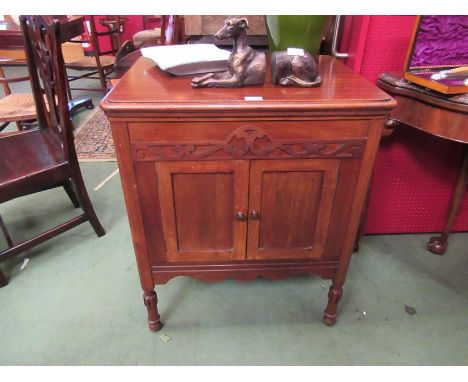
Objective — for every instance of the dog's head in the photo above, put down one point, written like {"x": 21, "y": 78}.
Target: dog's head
{"x": 232, "y": 28}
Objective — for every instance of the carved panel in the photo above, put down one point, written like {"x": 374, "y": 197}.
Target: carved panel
{"x": 248, "y": 143}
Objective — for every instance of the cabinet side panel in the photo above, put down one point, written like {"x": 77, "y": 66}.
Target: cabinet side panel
{"x": 130, "y": 190}
{"x": 147, "y": 185}
{"x": 362, "y": 185}
{"x": 345, "y": 190}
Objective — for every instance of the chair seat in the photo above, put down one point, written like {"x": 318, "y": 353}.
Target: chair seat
{"x": 29, "y": 156}
{"x": 17, "y": 107}
{"x": 147, "y": 37}
{"x": 90, "y": 62}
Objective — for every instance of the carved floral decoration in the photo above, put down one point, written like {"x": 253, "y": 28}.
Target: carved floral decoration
{"x": 249, "y": 143}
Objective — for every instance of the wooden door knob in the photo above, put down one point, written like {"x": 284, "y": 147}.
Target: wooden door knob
{"x": 254, "y": 215}
{"x": 241, "y": 216}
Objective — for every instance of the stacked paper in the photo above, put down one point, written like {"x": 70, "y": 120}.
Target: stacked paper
{"x": 189, "y": 58}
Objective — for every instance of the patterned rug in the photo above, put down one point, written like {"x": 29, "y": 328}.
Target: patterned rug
{"x": 93, "y": 139}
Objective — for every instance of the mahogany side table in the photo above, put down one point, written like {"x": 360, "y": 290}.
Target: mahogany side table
{"x": 437, "y": 114}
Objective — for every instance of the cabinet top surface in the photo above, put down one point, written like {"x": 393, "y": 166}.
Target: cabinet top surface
{"x": 145, "y": 87}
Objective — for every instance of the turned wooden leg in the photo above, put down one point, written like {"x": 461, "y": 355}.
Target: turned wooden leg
{"x": 334, "y": 296}
{"x": 438, "y": 245}
{"x": 151, "y": 302}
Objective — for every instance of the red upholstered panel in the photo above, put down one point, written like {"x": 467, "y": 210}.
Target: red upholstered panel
{"x": 412, "y": 184}
{"x": 414, "y": 172}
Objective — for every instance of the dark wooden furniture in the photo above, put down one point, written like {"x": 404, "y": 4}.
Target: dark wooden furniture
{"x": 115, "y": 26}
{"x": 11, "y": 42}
{"x": 41, "y": 159}
{"x": 102, "y": 62}
{"x": 437, "y": 114}
{"x": 218, "y": 186}
{"x": 11, "y": 38}
{"x": 15, "y": 107}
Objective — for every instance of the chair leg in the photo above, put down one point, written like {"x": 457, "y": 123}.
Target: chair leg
{"x": 67, "y": 84}
{"x": 68, "y": 186}
{"x": 6, "y": 233}
{"x": 102, "y": 77}
{"x": 3, "y": 279}
{"x": 86, "y": 205}
{"x": 4, "y": 125}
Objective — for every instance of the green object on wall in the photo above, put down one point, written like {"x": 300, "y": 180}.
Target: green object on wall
{"x": 295, "y": 31}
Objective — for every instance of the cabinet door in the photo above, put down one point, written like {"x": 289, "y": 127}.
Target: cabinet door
{"x": 290, "y": 204}
{"x": 204, "y": 209}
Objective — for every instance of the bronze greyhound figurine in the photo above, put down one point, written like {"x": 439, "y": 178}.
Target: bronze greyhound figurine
{"x": 294, "y": 70}
{"x": 245, "y": 65}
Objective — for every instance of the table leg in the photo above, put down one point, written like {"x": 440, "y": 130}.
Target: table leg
{"x": 334, "y": 297}
{"x": 151, "y": 302}
{"x": 438, "y": 245}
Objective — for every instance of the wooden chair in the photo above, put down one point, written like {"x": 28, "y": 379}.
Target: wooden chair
{"x": 45, "y": 158}
{"x": 101, "y": 63}
{"x": 169, "y": 32}
{"x": 150, "y": 36}
{"x": 15, "y": 107}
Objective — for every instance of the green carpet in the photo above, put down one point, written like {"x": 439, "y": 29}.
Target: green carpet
{"x": 78, "y": 301}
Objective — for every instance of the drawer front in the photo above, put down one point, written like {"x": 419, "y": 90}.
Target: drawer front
{"x": 221, "y": 140}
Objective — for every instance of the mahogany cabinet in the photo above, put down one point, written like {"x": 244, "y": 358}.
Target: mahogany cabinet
{"x": 218, "y": 186}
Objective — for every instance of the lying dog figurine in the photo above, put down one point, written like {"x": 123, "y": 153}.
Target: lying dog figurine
{"x": 246, "y": 66}
{"x": 294, "y": 69}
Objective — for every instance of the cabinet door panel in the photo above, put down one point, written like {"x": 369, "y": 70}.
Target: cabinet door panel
{"x": 199, "y": 205}
{"x": 290, "y": 205}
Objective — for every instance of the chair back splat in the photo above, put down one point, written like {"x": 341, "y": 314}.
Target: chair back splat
{"x": 45, "y": 63}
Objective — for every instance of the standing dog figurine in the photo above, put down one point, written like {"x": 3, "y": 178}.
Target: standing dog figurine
{"x": 292, "y": 69}
{"x": 246, "y": 66}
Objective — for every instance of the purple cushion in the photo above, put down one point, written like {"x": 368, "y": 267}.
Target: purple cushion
{"x": 441, "y": 40}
